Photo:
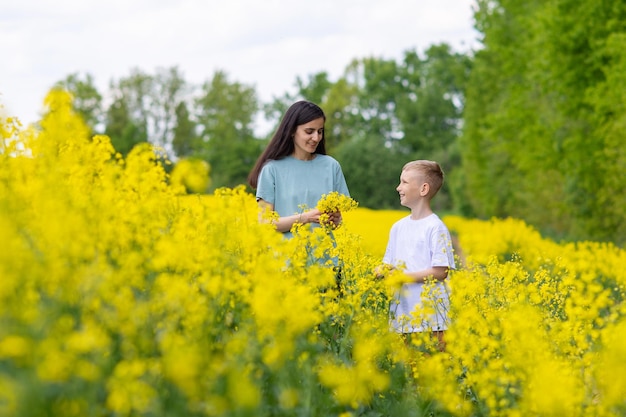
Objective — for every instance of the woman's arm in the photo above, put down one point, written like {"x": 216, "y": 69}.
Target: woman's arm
{"x": 284, "y": 224}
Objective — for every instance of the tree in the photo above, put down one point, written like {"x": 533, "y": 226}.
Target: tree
{"x": 608, "y": 99}
{"x": 372, "y": 171}
{"x": 144, "y": 108}
{"x": 430, "y": 106}
{"x": 378, "y": 87}
{"x": 534, "y": 146}
{"x": 335, "y": 98}
{"x": 185, "y": 135}
{"x": 430, "y": 110}
{"x": 225, "y": 114}
{"x": 86, "y": 99}
{"x": 169, "y": 90}
{"x": 127, "y": 118}
{"x": 406, "y": 110}
{"x": 338, "y": 100}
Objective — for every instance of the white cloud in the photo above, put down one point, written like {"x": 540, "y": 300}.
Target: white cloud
{"x": 264, "y": 44}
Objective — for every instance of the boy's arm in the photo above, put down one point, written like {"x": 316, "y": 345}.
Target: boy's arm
{"x": 284, "y": 224}
{"x": 437, "y": 272}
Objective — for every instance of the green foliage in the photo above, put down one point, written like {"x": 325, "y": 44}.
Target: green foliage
{"x": 124, "y": 131}
{"x": 225, "y": 114}
{"x": 315, "y": 87}
{"x": 397, "y": 110}
{"x": 184, "y": 131}
{"x": 340, "y": 109}
{"x": 537, "y": 114}
{"x": 430, "y": 104}
{"x": 87, "y": 101}
{"x": 531, "y": 125}
{"x": 372, "y": 172}
{"x": 376, "y": 116}
{"x": 122, "y": 296}
{"x": 609, "y": 100}
{"x": 146, "y": 108}
{"x": 412, "y": 108}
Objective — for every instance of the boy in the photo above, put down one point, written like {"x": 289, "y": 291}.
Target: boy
{"x": 421, "y": 246}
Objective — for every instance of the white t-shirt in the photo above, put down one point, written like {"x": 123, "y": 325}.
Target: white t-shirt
{"x": 415, "y": 245}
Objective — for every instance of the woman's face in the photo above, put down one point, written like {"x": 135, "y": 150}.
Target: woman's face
{"x": 307, "y": 137}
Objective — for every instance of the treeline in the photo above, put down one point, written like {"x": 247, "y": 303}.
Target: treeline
{"x": 531, "y": 125}
{"x": 380, "y": 114}
{"x": 545, "y": 121}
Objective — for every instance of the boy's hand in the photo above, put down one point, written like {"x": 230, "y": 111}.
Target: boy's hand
{"x": 330, "y": 219}
{"x": 335, "y": 218}
{"x": 382, "y": 270}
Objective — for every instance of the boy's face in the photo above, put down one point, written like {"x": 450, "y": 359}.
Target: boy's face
{"x": 412, "y": 188}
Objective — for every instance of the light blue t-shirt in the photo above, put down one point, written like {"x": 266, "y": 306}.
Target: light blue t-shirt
{"x": 291, "y": 184}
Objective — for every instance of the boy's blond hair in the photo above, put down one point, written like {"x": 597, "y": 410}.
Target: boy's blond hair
{"x": 432, "y": 172}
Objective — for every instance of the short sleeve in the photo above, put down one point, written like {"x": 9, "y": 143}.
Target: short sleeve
{"x": 340, "y": 181}
{"x": 441, "y": 246}
{"x": 388, "y": 258}
{"x": 266, "y": 186}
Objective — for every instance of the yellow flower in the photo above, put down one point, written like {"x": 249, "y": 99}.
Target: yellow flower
{"x": 334, "y": 202}
{"x": 112, "y": 277}
{"x": 192, "y": 174}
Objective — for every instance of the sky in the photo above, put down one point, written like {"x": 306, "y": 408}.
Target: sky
{"x": 263, "y": 44}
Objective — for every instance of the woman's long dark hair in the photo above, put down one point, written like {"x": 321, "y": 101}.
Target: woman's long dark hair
{"x": 281, "y": 144}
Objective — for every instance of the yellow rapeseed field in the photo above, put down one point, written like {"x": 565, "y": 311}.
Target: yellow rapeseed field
{"x": 123, "y": 295}
{"x": 372, "y": 227}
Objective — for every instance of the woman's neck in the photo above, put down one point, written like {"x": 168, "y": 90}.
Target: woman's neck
{"x": 303, "y": 157}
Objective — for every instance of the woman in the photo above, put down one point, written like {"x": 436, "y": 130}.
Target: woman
{"x": 293, "y": 172}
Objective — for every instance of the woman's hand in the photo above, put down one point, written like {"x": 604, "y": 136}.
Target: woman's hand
{"x": 316, "y": 216}
{"x": 332, "y": 220}
{"x": 335, "y": 218}
{"x": 311, "y": 216}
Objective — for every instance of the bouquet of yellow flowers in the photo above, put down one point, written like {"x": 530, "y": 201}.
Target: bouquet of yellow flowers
{"x": 334, "y": 202}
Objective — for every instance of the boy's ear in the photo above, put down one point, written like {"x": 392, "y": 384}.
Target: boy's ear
{"x": 424, "y": 189}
